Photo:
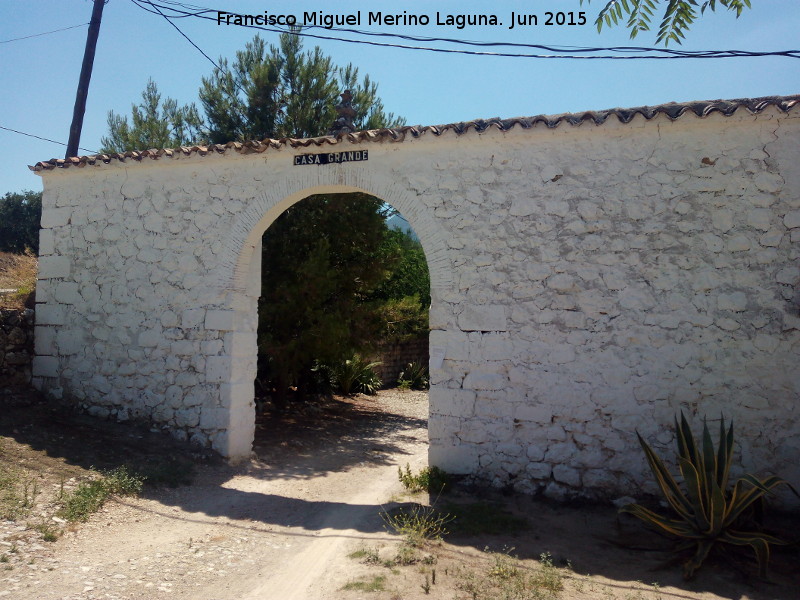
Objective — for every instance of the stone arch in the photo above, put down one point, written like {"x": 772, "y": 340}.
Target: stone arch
{"x": 243, "y": 284}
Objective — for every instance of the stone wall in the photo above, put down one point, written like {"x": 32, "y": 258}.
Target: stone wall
{"x": 395, "y": 357}
{"x": 587, "y": 282}
{"x": 16, "y": 347}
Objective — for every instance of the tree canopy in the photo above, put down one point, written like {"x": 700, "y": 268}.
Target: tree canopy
{"x": 153, "y": 124}
{"x": 20, "y": 215}
{"x": 677, "y": 17}
{"x": 281, "y": 91}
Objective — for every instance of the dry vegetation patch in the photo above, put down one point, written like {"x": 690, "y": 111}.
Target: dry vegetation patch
{"x": 17, "y": 279}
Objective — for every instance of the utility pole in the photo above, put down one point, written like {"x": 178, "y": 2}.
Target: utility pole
{"x": 86, "y": 76}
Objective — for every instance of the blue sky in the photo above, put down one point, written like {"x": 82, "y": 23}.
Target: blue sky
{"x": 39, "y": 75}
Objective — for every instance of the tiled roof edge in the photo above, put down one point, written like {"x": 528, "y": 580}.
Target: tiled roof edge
{"x": 673, "y": 110}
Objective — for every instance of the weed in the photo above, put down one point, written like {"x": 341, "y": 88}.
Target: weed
{"x": 503, "y": 565}
{"x": 406, "y": 555}
{"x": 417, "y": 524}
{"x": 481, "y": 518}
{"x": 548, "y": 577}
{"x": 505, "y": 579}
{"x": 17, "y": 497}
{"x": 426, "y": 587}
{"x": 91, "y": 495}
{"x": 430, "y": 479}
{"x": 50, "y": 533}
{"x": 376, "y": 584}
{"x": 4, "y": 558}
{"x": 366, "y": 555}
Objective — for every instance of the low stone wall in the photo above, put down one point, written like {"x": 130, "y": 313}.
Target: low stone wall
{"x": 395, "y": 357}
{"x": 16, "y": 347}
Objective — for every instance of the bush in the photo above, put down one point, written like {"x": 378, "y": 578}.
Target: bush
{"x": 414, "y": 376}
{"x": 356, "y": 375}
{"x": 430, "y": 479}
{"x": 705, "y": 512}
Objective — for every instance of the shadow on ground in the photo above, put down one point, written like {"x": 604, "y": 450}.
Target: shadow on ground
{"x": 337, "y": 435}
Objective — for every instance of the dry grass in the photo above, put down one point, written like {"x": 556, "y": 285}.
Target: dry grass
{"x": 17, "y": 272}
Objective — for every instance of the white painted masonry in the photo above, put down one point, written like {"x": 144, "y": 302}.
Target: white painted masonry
{"x": 587, "y": 282}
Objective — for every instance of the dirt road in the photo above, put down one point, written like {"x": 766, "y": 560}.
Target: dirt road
{"x": 278, "y": 527}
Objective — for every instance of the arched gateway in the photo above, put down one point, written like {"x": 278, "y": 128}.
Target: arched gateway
{"x": 591, "y": 275}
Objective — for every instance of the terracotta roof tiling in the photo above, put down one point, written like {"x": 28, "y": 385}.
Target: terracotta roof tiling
{"x": 673, "y": 110}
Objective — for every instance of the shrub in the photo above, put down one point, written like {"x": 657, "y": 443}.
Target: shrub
{"x": 430, "y": 479}
{"x": 414, "y": 376}
{"x": 356, "y": 375}
{"x": 705, "y": 512}
{"x": 417, "y": 524}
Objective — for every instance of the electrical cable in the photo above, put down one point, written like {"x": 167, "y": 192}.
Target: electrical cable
{"x": 27, "y": 37}
{"x": 38, "y": 137}
{"x": 201, "y": 12}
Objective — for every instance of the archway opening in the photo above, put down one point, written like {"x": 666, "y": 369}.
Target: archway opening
{"x": 343, "y": 309}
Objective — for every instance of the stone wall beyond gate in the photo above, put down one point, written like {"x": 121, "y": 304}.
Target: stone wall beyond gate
{"x": 588, "y": 281}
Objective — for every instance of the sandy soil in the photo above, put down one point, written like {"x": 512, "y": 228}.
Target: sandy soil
{"x": 284, "y": 526}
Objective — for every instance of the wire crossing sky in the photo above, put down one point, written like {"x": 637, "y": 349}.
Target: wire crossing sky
{"x": 431, "y": 74}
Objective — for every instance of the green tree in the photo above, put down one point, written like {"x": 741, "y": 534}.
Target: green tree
{"x": 676, "y": 19}
{"x": 283, "y": 91}
{"x": 410, "y": 275}
{"x": 20, "y": 216}
{"x": 315, "y": 305}
{"x": 325, "y": 255}
{"x": 153, "y": 124}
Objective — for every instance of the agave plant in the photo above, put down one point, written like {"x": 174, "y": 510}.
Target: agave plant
{"x": 706, "y": 512}
{"x": 356, "y": 375}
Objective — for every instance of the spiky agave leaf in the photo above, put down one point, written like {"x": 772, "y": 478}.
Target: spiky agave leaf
{"x": 706, "y": 512}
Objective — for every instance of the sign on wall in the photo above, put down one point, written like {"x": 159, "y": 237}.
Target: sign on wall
{"x": 331, "y": 157}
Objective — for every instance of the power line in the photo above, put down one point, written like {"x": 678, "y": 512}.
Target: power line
{"x": 188, "y": 39}
{"x": 27, "y": 37}
{"x": 199, "y": 49}
{"x": 38, "y": 137}
{"x": 671, "y": 54}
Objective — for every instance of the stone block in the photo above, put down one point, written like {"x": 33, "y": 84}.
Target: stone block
{"x": 192, "y": 317}
{"x": 792, "y": 219}
{"x": 50, "y": 314}
{"x": 735, "y": 302}
{"x": 567, "y": 475}
{"x": 213, "y": 418}
{"x": 54, "y": 267}
{"x": 45, "y": 366}
{"x": 69, "y": 342}
{"x": 483, "y": 318}
{"x": 485, "y": 381}
{"x": 55, "y": 217}
{"x": 149, "y": 338}
{"x": 218, "y": 369}
{"x": 44, "y": 340}
{"x": 220, "y": 320}
{"x": 46, "y": 242}
{"x": 68, "y": 292}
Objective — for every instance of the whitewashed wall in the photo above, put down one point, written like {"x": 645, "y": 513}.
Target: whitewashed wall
{"x": 587, "y": 281}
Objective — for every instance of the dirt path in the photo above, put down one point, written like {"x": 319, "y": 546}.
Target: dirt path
{"x": 279, "y": 527}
